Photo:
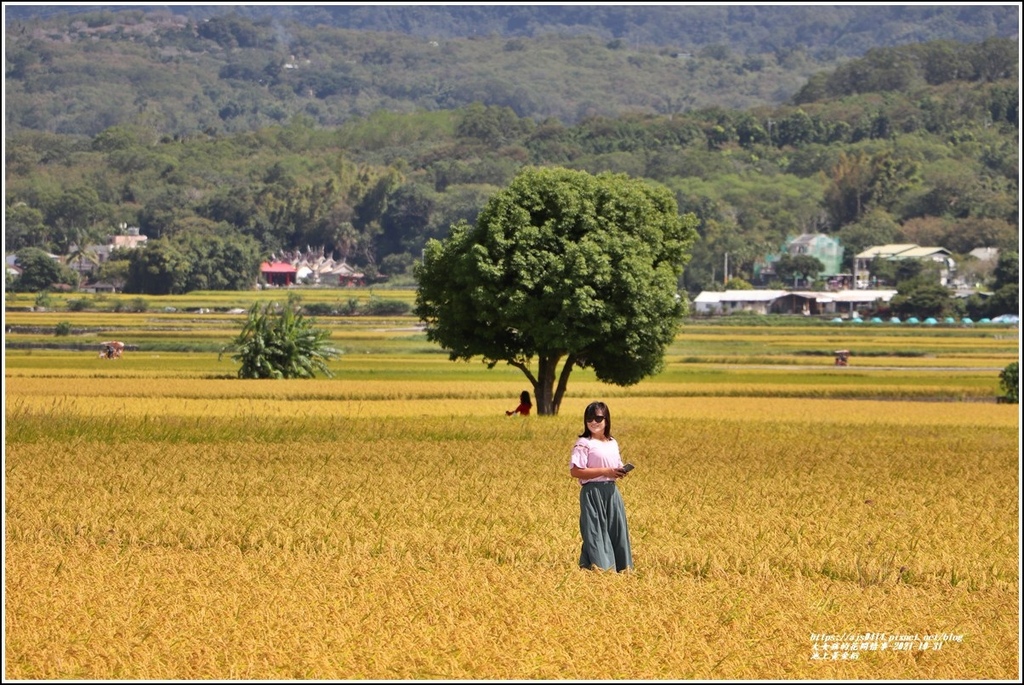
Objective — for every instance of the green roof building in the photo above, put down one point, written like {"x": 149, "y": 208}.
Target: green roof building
{"x": 826, "y": 249}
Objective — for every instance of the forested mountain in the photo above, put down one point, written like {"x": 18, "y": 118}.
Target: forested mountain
{"x": 241, "y": 67}
{"x": 232, "y": 137}
{"x": 822, "y": 31}
{"x": 84, "y": 73}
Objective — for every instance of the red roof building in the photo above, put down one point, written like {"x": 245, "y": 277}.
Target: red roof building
{"x": 278, "y": 273}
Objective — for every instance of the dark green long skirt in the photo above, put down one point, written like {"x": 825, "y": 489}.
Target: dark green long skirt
{"x": 603, "y": 528}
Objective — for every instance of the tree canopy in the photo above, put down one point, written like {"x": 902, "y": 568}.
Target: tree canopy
{"x": 41, "y": 271}
{"x": 790, "y": 267}
{"x": 562, "y": 265}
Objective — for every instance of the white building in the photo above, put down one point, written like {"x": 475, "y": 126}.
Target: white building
{"x": 790, "y": 302}
{"x": 729, "y": 301}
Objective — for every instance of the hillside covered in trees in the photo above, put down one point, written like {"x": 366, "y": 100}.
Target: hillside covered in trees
{"x": 110, "y": 120}
{"x": 820, "y": 30}
{"x": 234, "y": 68}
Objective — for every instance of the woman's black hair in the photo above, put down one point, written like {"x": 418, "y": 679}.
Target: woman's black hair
{"x": 524, "y": 398}
{"x": 591, "y": 412}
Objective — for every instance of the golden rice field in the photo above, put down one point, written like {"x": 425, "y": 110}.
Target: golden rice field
{"x": 789, "y": 520}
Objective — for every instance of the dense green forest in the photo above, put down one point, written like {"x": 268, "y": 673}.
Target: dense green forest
{"x": 85, "y": 73}
{"x": 230, "y": 138}
{"x": 821, "y": 30}
{"x": 240, "y": 67}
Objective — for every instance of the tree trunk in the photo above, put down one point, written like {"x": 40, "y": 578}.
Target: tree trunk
{"x": 563, "y": 382}
{"x": 543, "y": 389}
{"x": 549, "y": 398}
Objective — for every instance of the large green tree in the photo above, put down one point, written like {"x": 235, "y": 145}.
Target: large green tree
{"x": 919, "y": 297}
{"x": 561, "y": 266}
{"x": 72, "y": 215}
{"x": 40, "y": 271}
{"x": 1005, "y": 298}
{"x": 158, "y": 268}
{"x": 1007, "y": 270}
{"x": 791, "y": 267}
{"x": 23, "y": 227}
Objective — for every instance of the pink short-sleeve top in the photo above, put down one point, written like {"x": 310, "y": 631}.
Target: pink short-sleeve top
{"x": 589, "y": 453}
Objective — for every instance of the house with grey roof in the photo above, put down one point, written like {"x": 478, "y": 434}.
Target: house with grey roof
{"x": 896, "y": 252}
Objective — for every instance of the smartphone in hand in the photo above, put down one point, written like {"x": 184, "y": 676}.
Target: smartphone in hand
{"x": 626, "y": 468}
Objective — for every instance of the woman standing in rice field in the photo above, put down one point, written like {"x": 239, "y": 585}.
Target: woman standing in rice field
{"x": 596, "y": 464}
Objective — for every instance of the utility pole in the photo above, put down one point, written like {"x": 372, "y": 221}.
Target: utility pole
{"x": 725, "y": 275}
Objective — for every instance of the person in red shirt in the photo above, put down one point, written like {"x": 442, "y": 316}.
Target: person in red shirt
{"x": 524, "y": 405}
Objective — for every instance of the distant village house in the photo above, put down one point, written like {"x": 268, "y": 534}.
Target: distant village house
{"x": 95, "y": 256}
{"x": 862, "y": 262}
{"x": 824, "y": 248}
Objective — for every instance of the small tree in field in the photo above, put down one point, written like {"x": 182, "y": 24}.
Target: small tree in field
{"x": 1009, "y": 382}
{"x": 277, "y": 342}
{"x": 562, "y": 266}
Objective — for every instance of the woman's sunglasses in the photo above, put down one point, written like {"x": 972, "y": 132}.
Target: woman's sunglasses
{"x": 595, "y": 419}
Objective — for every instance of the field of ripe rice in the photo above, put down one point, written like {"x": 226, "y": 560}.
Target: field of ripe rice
{"x": 790, "y": 519}
{"x": 162, "y": 527}
{"x": 405, "y": 375}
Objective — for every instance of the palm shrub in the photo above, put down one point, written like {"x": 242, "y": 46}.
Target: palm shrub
{"x": 278, "y": 342}
{"x": 1009, "y": 382}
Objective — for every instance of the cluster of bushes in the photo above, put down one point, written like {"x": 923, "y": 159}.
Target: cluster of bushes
{"x": 136, "y": 305}
{"x": 376, "y": 306}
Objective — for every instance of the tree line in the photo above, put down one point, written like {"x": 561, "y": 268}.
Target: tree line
{"x": 931, "y": 164}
